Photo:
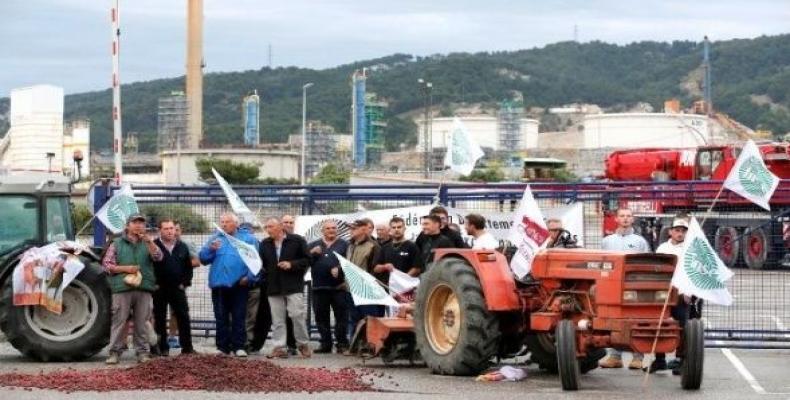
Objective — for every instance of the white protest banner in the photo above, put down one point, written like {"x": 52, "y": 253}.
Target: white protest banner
{"x": 498, "y": 224}
{"x": 117, "y": 209}
{"x": 44, "y": 272}
{"x": 248, "y": 252}
{"x": 528, "y": 234}
{"x": 462, "y": 150}
{"x": 364, "y": 288}
{"x": 236, "y": 204}
{"x": 700, "y": 272}
{"x": 750, "y": 178}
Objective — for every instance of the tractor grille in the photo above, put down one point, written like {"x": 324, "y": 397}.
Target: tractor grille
{"x": 647, "y": 277}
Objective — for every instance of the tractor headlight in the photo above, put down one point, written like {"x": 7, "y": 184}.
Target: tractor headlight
{"x": 661, "y": 295}
{"x": 630, "y": 296}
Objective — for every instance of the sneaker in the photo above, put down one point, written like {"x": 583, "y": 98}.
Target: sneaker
{"x": 636, "y": 363}
{"x": 241, "y": 353}
{"x": 112, "y": 359}
{"x": 323, "y": 350}
{"x": 278, "y": 353}
{"x": 305, "y": 351}
{"x": 173, "y": 342}
{"x": 143, "y": 358}
{"x": 611, "y": 362}
{"x": 656, "y": 365}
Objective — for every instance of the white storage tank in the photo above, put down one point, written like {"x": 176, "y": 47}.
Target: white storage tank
{"x": 638, "y": 130}
{"x": 482, "y": 128}
{"x": 36, "y": 133}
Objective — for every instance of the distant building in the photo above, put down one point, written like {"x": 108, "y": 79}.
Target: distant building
{"x": 636, "y": 130}
{"x": 34, "y": 141}
{"x": 251, "y": 107}
{"x": 324, "y": 146}
{"x": 173, "y": 122}
{"x": 486, "y": 130}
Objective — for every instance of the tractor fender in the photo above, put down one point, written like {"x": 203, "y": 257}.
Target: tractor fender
{"x": 496, "y": 279}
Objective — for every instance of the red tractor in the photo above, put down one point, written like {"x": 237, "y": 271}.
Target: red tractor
{"x": 577, "y": 302}
{"x": 737, "y": 228}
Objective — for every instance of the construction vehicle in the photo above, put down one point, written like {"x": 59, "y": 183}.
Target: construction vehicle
{"x": 733, "y": 227}
{"x": 576, "y": 303}
{"x": 35, "y": 210}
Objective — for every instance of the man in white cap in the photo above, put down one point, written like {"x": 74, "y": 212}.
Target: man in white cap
{"x": 677, "y": 235}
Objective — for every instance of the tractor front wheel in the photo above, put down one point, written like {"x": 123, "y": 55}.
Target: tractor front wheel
{"x": 693, "y": 360}
{"x": 455, "y": 332}
{"x": 567, "y": 363}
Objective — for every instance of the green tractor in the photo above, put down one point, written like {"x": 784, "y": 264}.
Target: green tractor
{"x": 35, "y": 210}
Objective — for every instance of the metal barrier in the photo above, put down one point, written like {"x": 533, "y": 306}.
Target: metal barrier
{"x": 752, "y": 240}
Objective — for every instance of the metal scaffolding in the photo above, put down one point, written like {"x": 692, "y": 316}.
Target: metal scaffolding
{"x": 374, "y": 130}
{"x": 321, "y": 147}
{"x": 173, "y": 122}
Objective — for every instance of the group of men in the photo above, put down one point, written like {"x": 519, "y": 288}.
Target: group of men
{"x": 147, "y": 275}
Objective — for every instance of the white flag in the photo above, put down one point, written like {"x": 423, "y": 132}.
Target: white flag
{"x": 700, "y": 272}
{"x": 403, "y": 285}
{"x": 750, "y": 178}
{"x": 364, "y": 288}
{"x": 528, "y": 233}
{"x": 238, "y": 206}
{"x": 462, "y": 151}
{"x": 117, "y": 209}
{"x": 248, "y": 252}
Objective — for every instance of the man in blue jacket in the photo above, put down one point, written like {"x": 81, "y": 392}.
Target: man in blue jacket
{"x": 229, "y": 279}
{"x": 329, "y": 288}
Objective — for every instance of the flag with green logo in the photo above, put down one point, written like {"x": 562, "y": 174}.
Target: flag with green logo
{"x": 238, "y": 206}
{"x": 750, "y": 178}
{"x": 462, "y": 151}
{"x": 247, "y": 252}
{"x": 364, "y": 288}
{"x": 117, "y": 209}
{"x": 699, "y": 271}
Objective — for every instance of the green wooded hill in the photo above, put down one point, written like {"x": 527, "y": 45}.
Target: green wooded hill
{"x": 751, "y": 82}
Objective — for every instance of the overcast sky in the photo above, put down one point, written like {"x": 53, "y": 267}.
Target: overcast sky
{"x": 67, "y": 42}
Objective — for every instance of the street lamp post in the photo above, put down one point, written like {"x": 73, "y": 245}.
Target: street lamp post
{"x": 427, "y": 99}
{"x": 304, "y": 129}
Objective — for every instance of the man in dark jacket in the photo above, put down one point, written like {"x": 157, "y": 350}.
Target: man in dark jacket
{"x": 285, "y": 261}
{"x": 432, "y": 238}
{"x": 454, "y": 236}
{"x": 173, "y": 277}
{"x": 329, "y": 288}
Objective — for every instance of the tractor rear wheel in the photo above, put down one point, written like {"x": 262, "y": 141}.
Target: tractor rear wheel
{"x": 693, "y": 360}
{"x": 567, "y": 363}
{"x": 456, "y": 334}
{"x": 81, "y": 330}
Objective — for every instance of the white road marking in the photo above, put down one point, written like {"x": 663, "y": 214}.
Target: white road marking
{"x": 736, "y": 362}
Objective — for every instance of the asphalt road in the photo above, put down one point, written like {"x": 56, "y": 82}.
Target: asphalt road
{"x": 729, "y": 374}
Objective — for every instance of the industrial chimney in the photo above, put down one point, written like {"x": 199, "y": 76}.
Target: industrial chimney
{"x": 194, "y": 79}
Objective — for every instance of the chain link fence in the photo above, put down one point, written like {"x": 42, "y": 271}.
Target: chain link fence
{"x": 752, "y": 241}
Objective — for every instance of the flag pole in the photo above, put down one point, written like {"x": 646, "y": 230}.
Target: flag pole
{"x": 84, "y": 226}
{"x": 658, "y": 333}
{"x": 710, "y": 209}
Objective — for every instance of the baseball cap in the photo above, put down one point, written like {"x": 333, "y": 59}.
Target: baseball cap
{"x": 680, "y": 223}
{"x": 135, "y": 217}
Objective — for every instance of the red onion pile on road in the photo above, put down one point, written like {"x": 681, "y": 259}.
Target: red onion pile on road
{"x": 204, "y": 372}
